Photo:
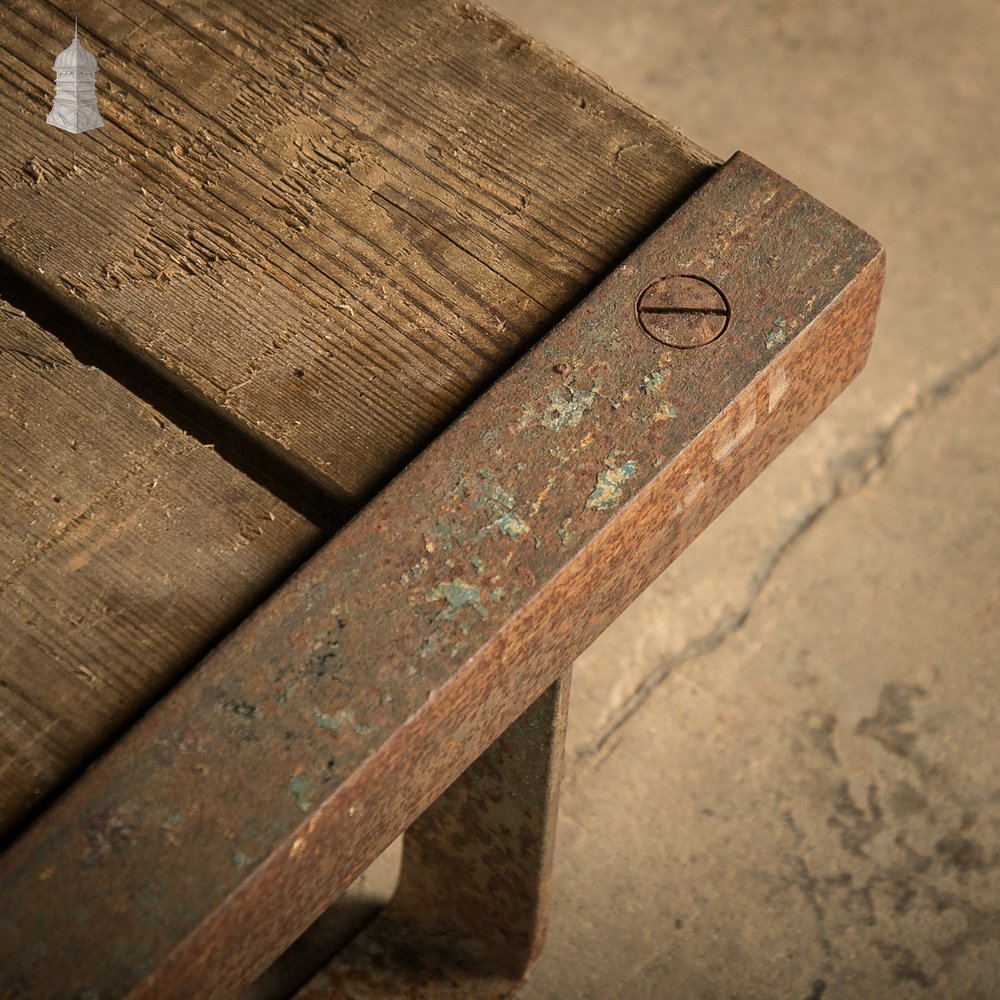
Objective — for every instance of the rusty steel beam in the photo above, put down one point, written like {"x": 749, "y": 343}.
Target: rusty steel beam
{"x": 222, "y": 824}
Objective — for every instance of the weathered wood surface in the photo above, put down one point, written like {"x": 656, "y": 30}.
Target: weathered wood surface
{"x": 337, "y": 222}
{"x": 125, "y": 548}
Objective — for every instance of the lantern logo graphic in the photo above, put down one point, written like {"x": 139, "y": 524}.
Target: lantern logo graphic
{"x": 75, "y": 106}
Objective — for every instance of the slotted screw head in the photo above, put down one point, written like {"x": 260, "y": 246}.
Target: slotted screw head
{"x": 682, "y": 310}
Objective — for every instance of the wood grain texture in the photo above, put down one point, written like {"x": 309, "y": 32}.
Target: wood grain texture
{"x": 125, "y": 548}
{"x": 336, "y": 222}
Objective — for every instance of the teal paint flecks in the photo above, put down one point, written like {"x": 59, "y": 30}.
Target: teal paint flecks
{"x": 665, "y": 411}
{"x": 240, "y": 859}
{"x": 497, "y": 495}
{"x": 299, "y": 788}
{"x": 345, "y": 717}
{"x": 415, "y": 572}
{"x": 458, "y": 594}
{"x": 565, "y": 407}
{"x": 512, "y": 525}
{"x": 566, "y": 412}
{"x": 563, "y": 530}
{"x": 608, "y": 491}
{"x": 654, "y": 382}
{"x": 777, "y": 335}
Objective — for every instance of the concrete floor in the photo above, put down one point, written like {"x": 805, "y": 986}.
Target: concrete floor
{"x": 782, "y": 768}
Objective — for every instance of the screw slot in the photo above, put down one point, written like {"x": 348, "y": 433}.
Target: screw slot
{"x": 683, "y": 311}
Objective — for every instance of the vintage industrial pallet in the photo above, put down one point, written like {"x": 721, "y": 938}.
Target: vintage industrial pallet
{"x": 309, "y": 236}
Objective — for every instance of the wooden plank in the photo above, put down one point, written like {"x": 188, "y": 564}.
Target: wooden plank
{"x": 335, "y": 222}
{"x": 126, "y": 547}
{"x": 435, "y": 617}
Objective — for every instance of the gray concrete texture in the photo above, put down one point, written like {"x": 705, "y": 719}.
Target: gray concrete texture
{"x": 781, "y": 774}
{"x": 782, "y": 765}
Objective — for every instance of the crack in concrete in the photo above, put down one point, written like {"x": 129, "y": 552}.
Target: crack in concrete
{"x": 849, "y": 475}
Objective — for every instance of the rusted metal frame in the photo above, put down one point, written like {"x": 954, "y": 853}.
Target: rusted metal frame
{"x": 217, "y": 829}
{"x": 469, "y": 916}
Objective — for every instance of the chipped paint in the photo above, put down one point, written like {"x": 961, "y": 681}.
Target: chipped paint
{"x": 512, "y": 526}
{"x": 282, "y": 696}
{"x": 299, "y": 788}
{"x": 665, "y": 411}
{"x": 563, "y": 530}
{"x": 654, "y": 382}
{"x": 496, "y": 494}
{"x": 483, "y": 492}
{"x": 608, "y": 490}
{"x": 477, "y": 564}
{"x": 458, "y": 595}
{"x": 777, "y": 335}
{"x": 564, "y": 407}
{"x": 415, "y": 572}
{"x": 343, "y": 717}
{"x": 241, "y": 860}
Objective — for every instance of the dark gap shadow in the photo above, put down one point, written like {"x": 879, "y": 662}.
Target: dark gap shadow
{"x": 259, "y": 460}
